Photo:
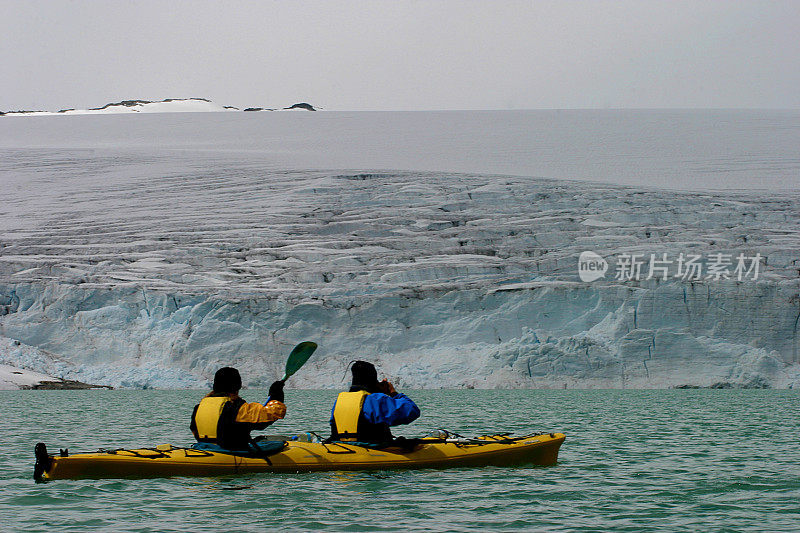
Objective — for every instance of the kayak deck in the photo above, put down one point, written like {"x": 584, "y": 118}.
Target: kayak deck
{"x": 295, "y": 456}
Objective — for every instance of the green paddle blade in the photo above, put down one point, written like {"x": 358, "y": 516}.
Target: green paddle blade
{"x": 298, "y": 357}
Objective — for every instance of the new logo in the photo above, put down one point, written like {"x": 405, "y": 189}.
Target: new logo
{"x": 591, "y": 266}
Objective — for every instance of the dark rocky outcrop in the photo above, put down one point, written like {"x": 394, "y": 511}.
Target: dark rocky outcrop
{"x": 754, "y": 383}
{"x": 181, "y": 99}
{"x": 123, "y": 103}
{"x": 65, "y": 384}
{"x": 20, "y": 111}
{"x": 301, "y": 105}
{"x": 254, "y": 109}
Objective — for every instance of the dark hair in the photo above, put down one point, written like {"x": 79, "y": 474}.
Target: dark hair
{"x": 227, "y": 380}
{"x": 365, "y": 377}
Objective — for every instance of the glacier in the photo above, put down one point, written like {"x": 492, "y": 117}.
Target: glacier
{"x": 141, "y": 267}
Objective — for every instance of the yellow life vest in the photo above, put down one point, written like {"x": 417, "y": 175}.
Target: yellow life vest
{"x": 347, "y": 412}
{"x": 207, "y": 416}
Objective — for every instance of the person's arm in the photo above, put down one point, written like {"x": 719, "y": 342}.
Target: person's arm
{"x": 394, "y": 410}
{"x": 255, "y": 413}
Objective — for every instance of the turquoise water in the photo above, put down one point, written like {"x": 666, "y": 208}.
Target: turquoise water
{"x": 633, "y": 461}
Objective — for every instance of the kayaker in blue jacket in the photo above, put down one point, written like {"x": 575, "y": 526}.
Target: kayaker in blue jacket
{"x": 369, "y": 408}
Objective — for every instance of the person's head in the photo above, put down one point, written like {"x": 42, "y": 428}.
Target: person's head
{"x": 364, "y": 376}
{"x": 227, "y": 380}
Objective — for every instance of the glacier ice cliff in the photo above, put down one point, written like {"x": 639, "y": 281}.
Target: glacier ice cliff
{"x": 154, "y": 273}
{"x": 541, "y": 334}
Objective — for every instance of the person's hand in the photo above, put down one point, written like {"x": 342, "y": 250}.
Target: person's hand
{"x": 276, "y": 391}
{"x": 387, "y": 388}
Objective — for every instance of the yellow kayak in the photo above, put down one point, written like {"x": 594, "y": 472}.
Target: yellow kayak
{"x": 294, "y": 456}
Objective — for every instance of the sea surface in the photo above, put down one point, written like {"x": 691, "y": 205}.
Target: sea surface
{"x": 634, "y": 460}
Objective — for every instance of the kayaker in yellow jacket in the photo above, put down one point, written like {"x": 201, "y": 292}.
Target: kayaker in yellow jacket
{"x": 224, "y": 418}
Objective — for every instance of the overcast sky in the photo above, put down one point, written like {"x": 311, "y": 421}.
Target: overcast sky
{"x": 402, "y": 55}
